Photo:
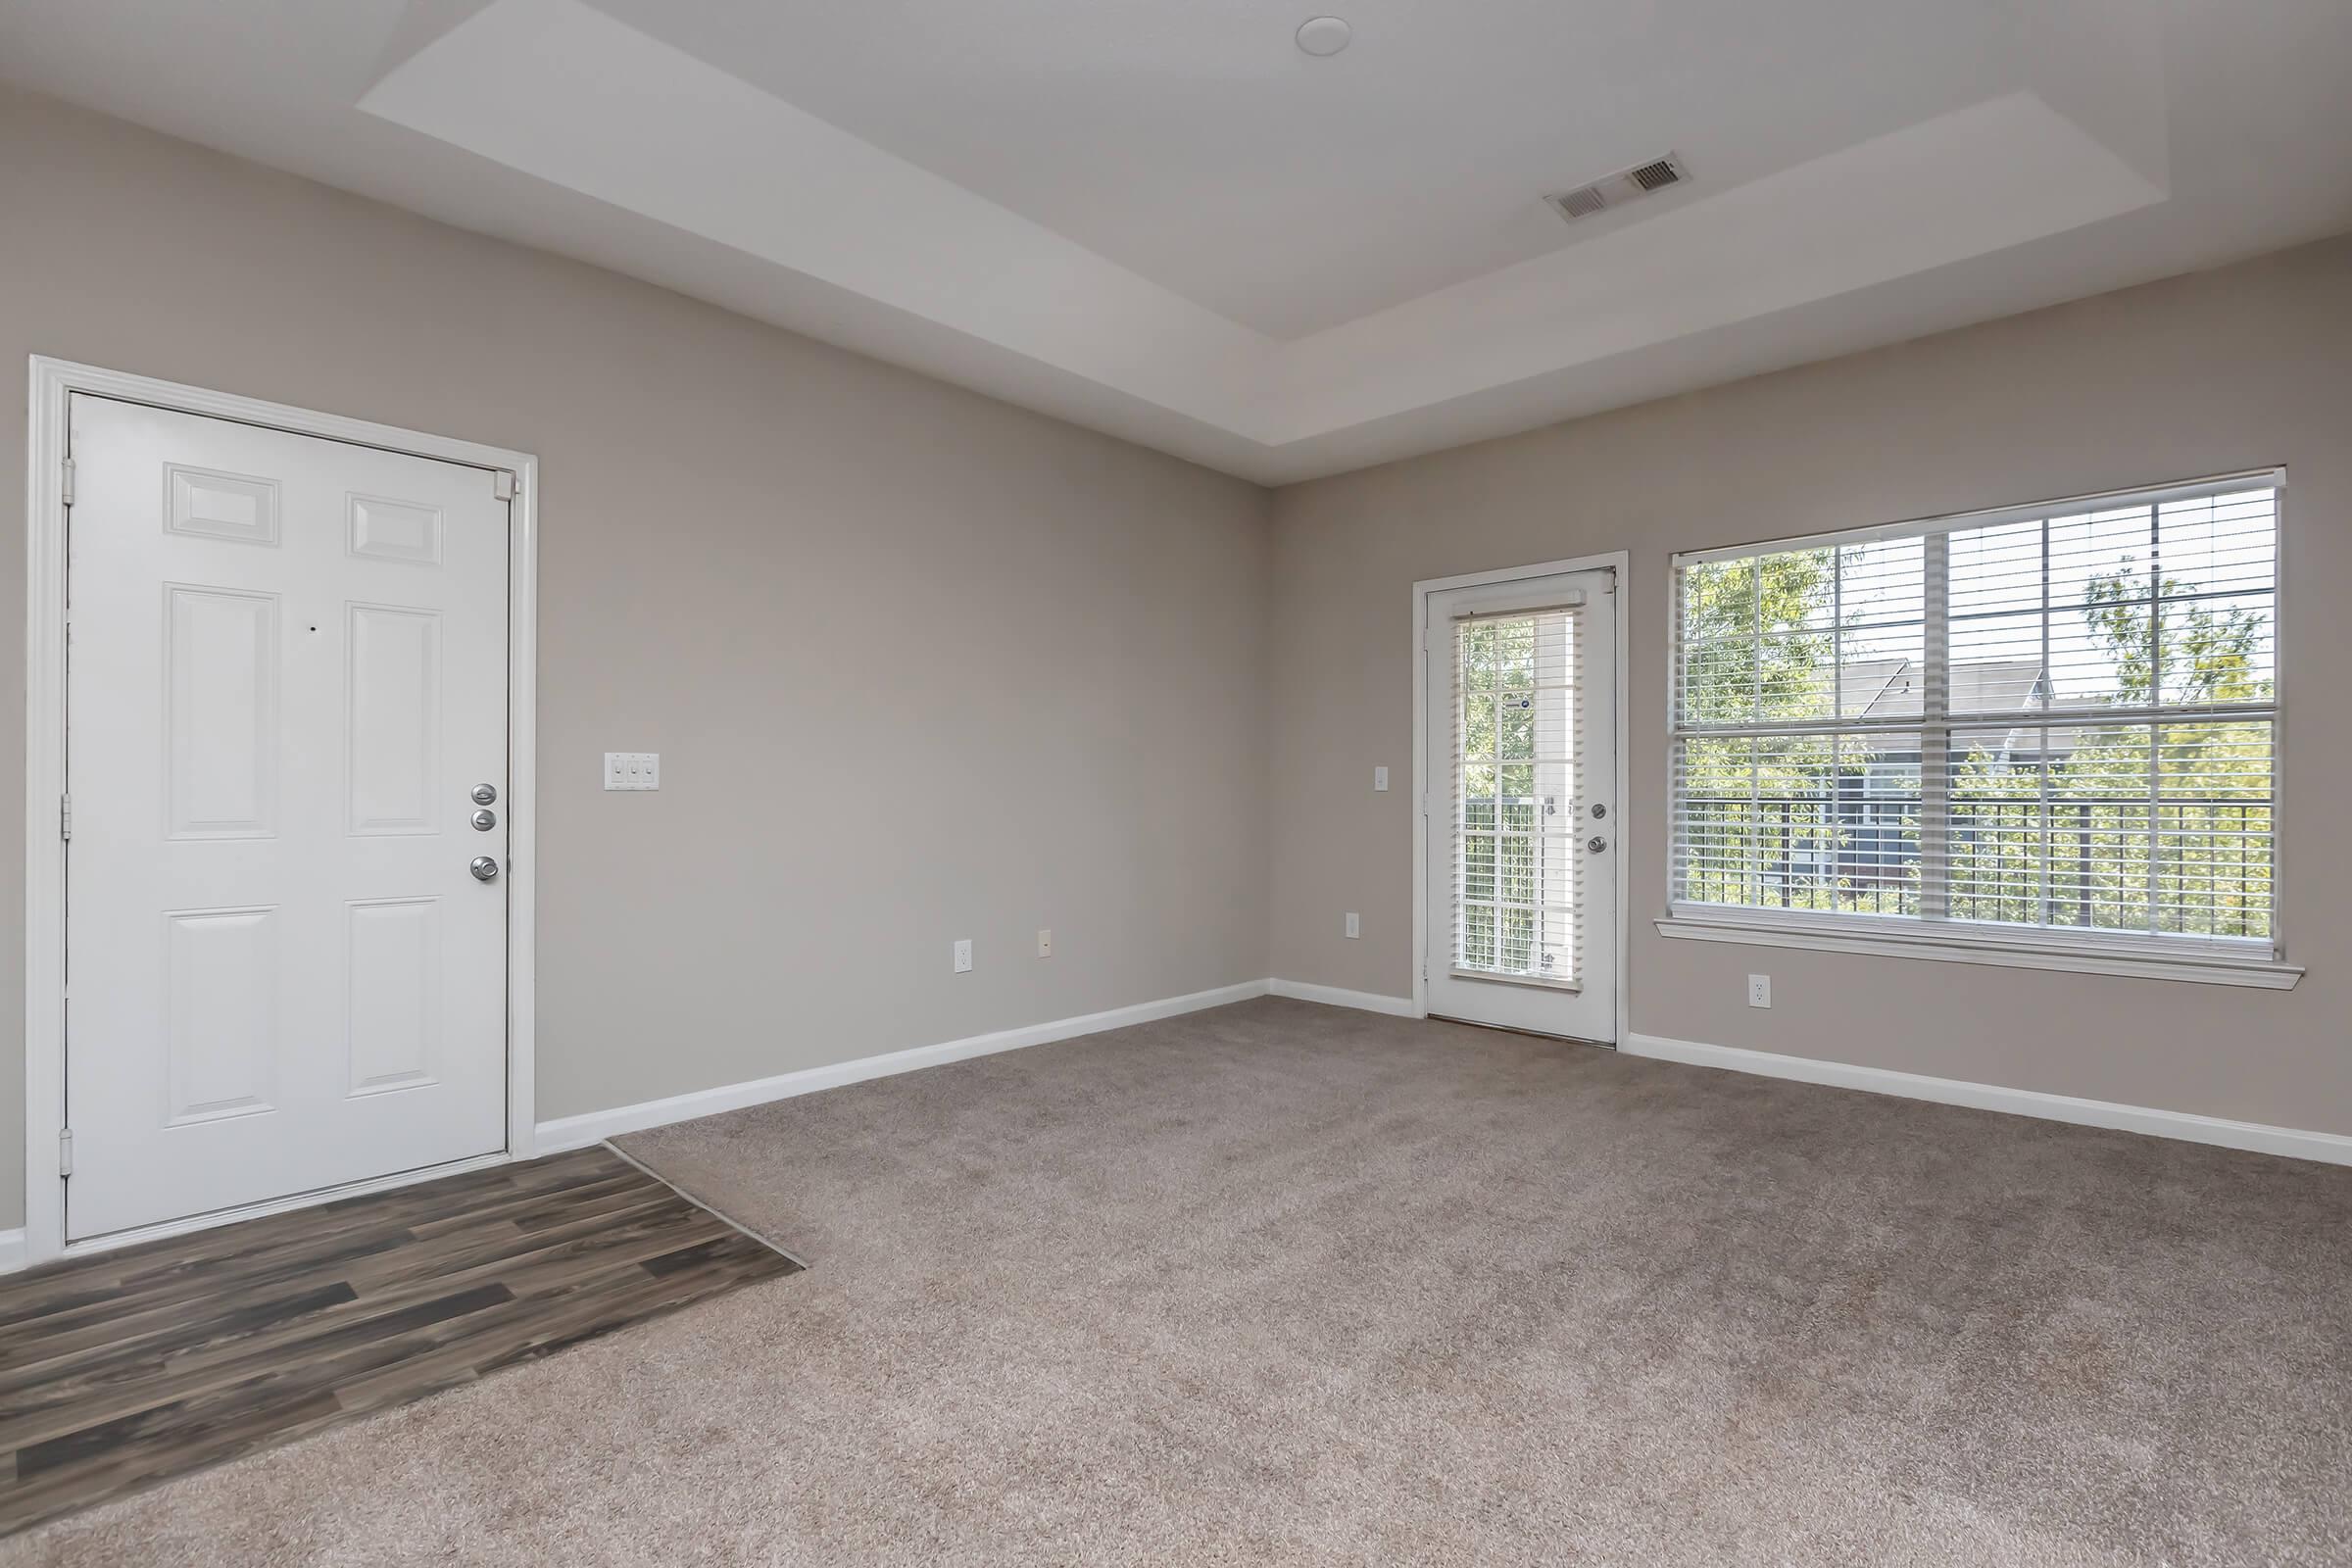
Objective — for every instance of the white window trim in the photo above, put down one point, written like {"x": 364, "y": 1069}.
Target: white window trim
{"x": 2212, "y": 963}
{"x": 2252, "y": 961}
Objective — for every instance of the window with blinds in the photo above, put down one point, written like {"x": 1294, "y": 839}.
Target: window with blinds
{"x": 1516, "y": 764}
{"x": 2061, "y": 720}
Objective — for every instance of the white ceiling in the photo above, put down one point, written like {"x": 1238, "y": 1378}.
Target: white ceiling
{"x": 1194, "y": 144}
{"x": 1159, "y": 219}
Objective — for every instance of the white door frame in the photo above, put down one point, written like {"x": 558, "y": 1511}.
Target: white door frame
{"x": 52, "y": 383}
{"x": 1619, "y": 562}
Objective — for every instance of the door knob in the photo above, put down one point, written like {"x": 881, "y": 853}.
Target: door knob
{"x": 484, "y": 868}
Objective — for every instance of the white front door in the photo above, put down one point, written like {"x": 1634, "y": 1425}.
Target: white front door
{"x": 1519, "y": 796}
{"x": 287, "y": 675}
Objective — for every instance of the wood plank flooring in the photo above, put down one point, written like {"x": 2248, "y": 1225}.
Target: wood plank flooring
{"x": 122, "y": 1368}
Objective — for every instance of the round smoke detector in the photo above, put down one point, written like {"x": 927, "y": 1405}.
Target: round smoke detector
{"x": 1324, "y": 35}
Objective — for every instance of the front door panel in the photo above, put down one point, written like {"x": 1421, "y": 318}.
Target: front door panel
{"x": 288, "y": 673}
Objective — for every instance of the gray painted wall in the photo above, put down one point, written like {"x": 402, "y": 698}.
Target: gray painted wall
{"x": 920, "y": 666}
{"x": 2211, "y": 373}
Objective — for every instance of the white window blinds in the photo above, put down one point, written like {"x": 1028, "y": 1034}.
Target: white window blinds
{"x": 2062, "y": 718}
{"x": 1517, "y": 780}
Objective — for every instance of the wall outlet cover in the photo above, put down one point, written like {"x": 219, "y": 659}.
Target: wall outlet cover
{"x": 963, "y": 956}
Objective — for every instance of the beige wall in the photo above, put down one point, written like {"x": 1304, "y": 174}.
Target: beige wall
{"x": 920, "y": 666}
{"x": 2211, "y": 373}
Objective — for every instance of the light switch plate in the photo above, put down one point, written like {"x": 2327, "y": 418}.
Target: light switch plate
{"x": 1380, "y": 778}
{"x": 632, "y": 770}
{"x": 1355, "y": 927}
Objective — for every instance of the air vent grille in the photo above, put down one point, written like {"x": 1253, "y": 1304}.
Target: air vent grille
{"x": 1582, "y": 202}
{"x": 1621, "y": 188}
{"x": 1658, "y": 175}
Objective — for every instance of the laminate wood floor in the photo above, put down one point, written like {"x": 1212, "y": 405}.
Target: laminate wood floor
{"x": 122, "y": 1368}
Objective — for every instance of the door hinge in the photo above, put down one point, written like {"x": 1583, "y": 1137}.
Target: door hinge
{"x": 65, "y": 1151}
{"x": 502, "y": 484}
{"x": 68, "y": 482}
{"x": 65, "y": 817}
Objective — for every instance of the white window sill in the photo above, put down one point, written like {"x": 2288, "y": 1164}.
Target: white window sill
{"x": 2153, "y": 961}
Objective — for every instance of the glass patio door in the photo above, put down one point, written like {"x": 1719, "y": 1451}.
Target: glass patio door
{"x": 1520, "y": 930}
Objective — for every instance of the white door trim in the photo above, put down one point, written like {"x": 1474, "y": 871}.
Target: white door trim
{"x": 52, "y": 382}
{"x": 1619, "y": 562}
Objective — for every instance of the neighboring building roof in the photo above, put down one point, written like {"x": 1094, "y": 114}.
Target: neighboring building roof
{"x": 1982, "y": 688}
{"x": 1867, "y": 687}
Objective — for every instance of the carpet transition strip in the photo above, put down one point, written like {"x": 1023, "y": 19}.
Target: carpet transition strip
{"x": 122, "y": 1368}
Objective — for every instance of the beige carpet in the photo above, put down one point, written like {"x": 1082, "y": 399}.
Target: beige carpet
{"x": 1284, "y": 1284}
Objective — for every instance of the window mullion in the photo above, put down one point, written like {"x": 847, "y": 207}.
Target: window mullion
{"x": 2044, "y": 820}
{"x": 1837, "y": 635}
{"x": 1935, "y": 733}
{"x": 1756, "y": 711}
{"x": 1677, "y": 703}
{"x": 2156, "y": 685}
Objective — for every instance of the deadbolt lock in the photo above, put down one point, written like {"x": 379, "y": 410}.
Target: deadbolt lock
{"x": 1600, "y": 812}
{"x": 485, "y": 794}
{"x": 1596, "y": 844}
{"x": 483, "y": 821}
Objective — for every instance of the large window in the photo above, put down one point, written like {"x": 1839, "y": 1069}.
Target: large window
{"x": 2047, "y": 728}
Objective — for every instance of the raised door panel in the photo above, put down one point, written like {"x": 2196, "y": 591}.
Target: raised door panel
{"x": 220, "y": 1024}
{"x": 394, "y": 713}
{"x": 394, "y": 1000}
{"x": 382, "y": 529}
{"x": 222, "y": 713}
{"x": 208, "y": 504}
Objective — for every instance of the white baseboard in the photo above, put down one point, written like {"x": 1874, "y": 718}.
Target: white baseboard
{"x": 2335, "y": 1148}
{"x": 12, "y": 1251}
{"x": 1336, "y": 997}
{"x": 576, "y": 1132}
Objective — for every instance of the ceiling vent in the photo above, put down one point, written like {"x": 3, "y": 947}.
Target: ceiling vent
{"x": 1627, "y": 184}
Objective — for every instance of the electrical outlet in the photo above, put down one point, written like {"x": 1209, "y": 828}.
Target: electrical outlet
{"x": 1380, "y": 778}
{"x": 632, "y": 770}
{"x": 1355, "y": 927}
{"x": 1045, "y": 944}
{"x": 964, "y": 957}
{"x": 1759, "y": 991}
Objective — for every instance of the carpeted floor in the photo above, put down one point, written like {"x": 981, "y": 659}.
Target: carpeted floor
{"x": 1281, "y": 1283}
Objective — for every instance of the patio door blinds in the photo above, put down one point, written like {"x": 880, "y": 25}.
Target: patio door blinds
{"x": 1517, "y": 778}
{"x": 2061, "y": 718}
